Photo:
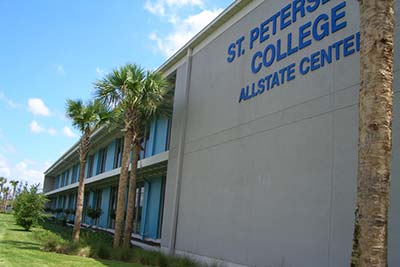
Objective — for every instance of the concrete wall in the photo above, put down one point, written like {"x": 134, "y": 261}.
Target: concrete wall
{"x": 271, "y": 181}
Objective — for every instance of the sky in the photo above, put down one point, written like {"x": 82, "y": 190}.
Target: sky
{"x": 53, "y": 50}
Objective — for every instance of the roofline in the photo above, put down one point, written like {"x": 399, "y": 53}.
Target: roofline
{"x": 70, "y": 151}
{"x": 228, "y": 13}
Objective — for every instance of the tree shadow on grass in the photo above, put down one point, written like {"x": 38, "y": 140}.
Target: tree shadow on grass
{"x": 21, "y": 244}
{"x": 112, "y": 263}
{"x": 18, "y": 230}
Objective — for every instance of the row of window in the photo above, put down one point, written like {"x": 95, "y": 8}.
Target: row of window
{"x": 96, "y": 201}
{"x": 158, "y": 132}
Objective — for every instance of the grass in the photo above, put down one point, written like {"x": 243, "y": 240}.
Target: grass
{"x": 21, "y": 248}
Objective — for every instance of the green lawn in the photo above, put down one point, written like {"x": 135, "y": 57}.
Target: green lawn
{"x": 20, "y": 249}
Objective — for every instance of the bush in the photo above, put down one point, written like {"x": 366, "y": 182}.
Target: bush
{"x": 98, "y": 244}
{"x": 29, "y": 207}
{"x": 183, "y": 262}
{"x": 103, "y": 252}
{"x": 94, "y": 213}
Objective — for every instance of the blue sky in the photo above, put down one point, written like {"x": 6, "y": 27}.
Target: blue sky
{"x": 51, "y": 50}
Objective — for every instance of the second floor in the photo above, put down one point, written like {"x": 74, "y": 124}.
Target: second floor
{"x": 106, "y": 155}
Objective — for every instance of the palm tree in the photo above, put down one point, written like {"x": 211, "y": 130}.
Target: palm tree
{"x": 137, "y": 97}
{"x": 3, "y": 181}
{"x": 6, "y": 191}
{"x": 86, "y": 118}
{"x": 14, "y": 184}
{"x": 375, "y": 133}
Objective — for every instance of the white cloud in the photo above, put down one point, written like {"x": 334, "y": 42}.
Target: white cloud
{"x": 36, "y": 128}
{"x": 5, "y": 169}
{"x": 8, "y": 148}
{"x": 52, "y": 131}
{"x": 162, "y": 7}
{"x": 24, "y": 170}
{"x": 183, "y": 31}
{"x": 99, "y": 71}
{"x": 60, "y": 69}
{"x": 5, "y": 146}
{"x": 10, "y": 103}
{"x": 37, "y": 107}
{"x": 68, "y": 132}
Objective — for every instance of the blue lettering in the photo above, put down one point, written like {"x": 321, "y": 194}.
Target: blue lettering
{"x": 280, "y": 55}
{"x": 336, "y": 46}
{"x": 324, "y": 27}
{"x": 326, "y": 56}
{"x": 274, "y": 19}
{"x": 337, "y": 16}
{"x": 254, "y": 68}
{"x": 264, "y": 31}
{"x": 254, "y": 36}
{"x": 298, "y": 7}
{"x": 348, "y": 45}
{"x": 231, "y": 52}
{"x": 291, "y": 72}
{"x": 268, "y": 81}
{"x": 312, "y": 8}
{"x": 275, "y": 80}
{"x": 304, "y": 32}
{"x": 303, "y": 70}
{"x": 290, "y": 49}
{"x": 239, "y": 46}
{"x": 243, "y": 96}
{"x": 253, "y": 91}
{"x": 358, "y": 41}
{"x": 261, "y": 86}
{"x": 269, "y": 62}
{"x": 315, "y": 60}
{"x": 285, "y": 14}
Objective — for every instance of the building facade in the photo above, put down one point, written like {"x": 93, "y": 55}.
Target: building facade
{"x": 258, "y": 165}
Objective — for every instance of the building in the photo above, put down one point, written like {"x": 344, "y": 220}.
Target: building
{"x": 258, "y": 165}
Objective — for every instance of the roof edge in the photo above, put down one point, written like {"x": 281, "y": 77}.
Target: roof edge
{"x": 229, "y": 12}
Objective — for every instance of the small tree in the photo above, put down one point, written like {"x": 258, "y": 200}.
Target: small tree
{"x": 14, "y": 184}
{"x": 6, "y": 191}
{"x": 3, "y": 181}
{"x": 94, "y": 213}
{"x": 86, "y": 118}
{"x": 29, "y": 207}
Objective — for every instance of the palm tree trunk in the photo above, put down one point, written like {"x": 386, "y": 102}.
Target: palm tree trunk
{"x": 375, "y": 133}
{"x": 131, "y": 196}
{"x": 13, "y": 196}
{"x": 79, "y": 203}
{"x": 5, "y": 201}
{"x": 84, "y": 149}
{"x": 122, "y": 186}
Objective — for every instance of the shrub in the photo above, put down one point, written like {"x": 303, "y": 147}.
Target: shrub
{"x": 94, "y": 213}
{"x": 122, "y": 254}
{"x": 103, "y": 251}
{"x": 29, "y": 207}
{"x": 183, "y": 262}
{"x": 84, "y": 251}
{"x": 112, "y": 214}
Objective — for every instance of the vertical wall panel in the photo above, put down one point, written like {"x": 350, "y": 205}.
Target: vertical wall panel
{"x": 110, "y": 155}
{"x": 105, "y": 200}
{"x": 160, "y": 138}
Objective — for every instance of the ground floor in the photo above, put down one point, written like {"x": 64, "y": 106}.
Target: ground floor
{"x": 100, "y": 201}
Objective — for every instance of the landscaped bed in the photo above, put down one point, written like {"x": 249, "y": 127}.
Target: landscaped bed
{"x": 22, "y": 248}
{"x": 50, "y": 245}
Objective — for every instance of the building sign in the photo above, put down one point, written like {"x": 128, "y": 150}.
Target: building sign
{"x": 307, "y": 34}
